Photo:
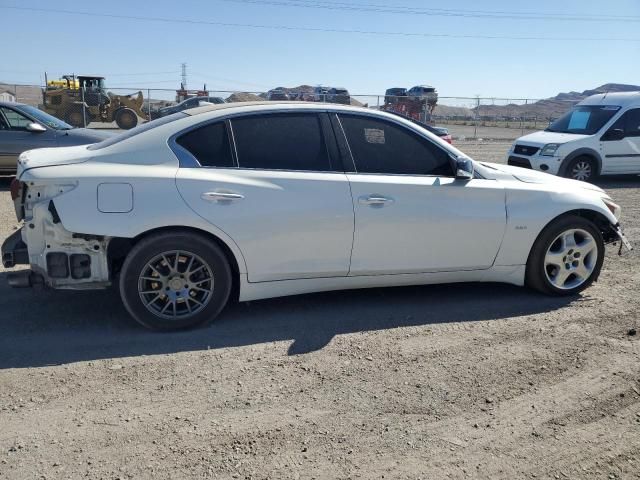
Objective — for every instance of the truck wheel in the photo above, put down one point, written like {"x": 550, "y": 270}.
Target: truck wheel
{"x": 126, "y": 118}
{"x": 175, "y": 280}
{"x": 566, "y": 257}
{"x": 75, "y": 118}
{"x": 582, "y": 168}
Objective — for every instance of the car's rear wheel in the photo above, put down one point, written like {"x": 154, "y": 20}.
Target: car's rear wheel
{"x": 567, "y": 257}
{"x": 175, "y": 280}
{"x": 582, "y": 168}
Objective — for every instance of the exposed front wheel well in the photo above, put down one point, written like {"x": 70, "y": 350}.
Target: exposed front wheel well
{"x": 119, "y": 248}
{"x": 599, "y": 220}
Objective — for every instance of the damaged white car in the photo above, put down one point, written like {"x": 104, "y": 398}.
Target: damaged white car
{"x": 250, "y": 201}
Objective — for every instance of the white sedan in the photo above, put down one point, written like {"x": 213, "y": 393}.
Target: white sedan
{"x": 249, "y": 201}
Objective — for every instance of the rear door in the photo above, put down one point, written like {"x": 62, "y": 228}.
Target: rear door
{"x": 15, "y": 138}
{"x": 281, "y": 194}
{"x": 411, "y": 214}
{"x": 623, "y": 156}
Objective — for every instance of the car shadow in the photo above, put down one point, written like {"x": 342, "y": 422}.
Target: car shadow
{"x": 44, "y": 327}
{"x": 618, "y": 181}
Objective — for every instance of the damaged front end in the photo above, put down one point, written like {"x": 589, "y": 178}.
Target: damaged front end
{"x": 58, "y": 258}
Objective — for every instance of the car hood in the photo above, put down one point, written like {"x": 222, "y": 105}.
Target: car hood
{"x": 85, "y": 135}
{"x": 49, "y": 157}
{"x": 533, "y": 176}
{"x": 542, "y": 138}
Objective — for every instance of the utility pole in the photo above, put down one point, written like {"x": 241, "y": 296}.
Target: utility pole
{"x": 184, "y": 76}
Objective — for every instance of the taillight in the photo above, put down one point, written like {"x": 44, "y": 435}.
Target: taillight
{"x": 15, "y": 188}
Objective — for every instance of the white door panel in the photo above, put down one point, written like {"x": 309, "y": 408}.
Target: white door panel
{"x": 621, "y": 156}
{"x": 409, "y": 224}
{"x": 287, "y": 224}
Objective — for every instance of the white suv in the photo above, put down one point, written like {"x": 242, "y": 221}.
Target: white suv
{"x": 599, "y": 136}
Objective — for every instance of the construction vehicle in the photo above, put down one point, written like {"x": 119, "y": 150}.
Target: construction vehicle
{"x": 83, "y": 99}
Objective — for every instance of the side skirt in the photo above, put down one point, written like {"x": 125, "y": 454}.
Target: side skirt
{"x": 513, "y": 274}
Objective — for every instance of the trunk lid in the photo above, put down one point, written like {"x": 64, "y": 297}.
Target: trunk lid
{"x": 49, "y": 157}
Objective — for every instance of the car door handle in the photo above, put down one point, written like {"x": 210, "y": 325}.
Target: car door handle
{"x": 375, "y": 200}
{"x": 221, "y": 196}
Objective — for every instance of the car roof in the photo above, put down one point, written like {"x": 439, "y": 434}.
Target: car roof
{"x": 12, "y": 104}
{"x": 621, "y": 99}
{"x": 278, "y": 105}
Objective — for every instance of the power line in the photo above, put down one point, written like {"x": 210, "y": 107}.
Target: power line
{"x": 313, "y": 29}
{"x": 406, "y": 10}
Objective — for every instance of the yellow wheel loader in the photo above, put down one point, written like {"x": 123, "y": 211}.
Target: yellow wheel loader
{"x": 83, "y": 99}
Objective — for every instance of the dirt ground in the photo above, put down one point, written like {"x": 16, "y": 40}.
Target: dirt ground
{"x": 451, "y": 381}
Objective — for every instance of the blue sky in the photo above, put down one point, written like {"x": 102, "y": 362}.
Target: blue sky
{"x": 141, "y": 53}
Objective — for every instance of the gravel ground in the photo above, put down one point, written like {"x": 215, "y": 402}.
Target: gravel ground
{"x": 451, "y": 381}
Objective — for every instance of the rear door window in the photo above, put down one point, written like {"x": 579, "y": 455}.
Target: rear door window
{"x": 379, "y": 146}
{"x": 287, "y": 141}
{"x": 209, "y": 144}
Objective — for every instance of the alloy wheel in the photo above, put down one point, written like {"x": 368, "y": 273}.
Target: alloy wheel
{"x": 175, "y": 285}
{"x": 571, "y": 259}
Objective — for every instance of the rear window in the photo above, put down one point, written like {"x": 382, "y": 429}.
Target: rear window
{"x": 137, "y": 131}
{"x": 210, "y": 145}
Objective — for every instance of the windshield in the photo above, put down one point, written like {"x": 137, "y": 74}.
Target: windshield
{"x": 584, "y": 120}
{"x": 45, "y": 119}
{"x": 136, "y": 131}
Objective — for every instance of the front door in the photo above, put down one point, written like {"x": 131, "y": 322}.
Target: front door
{"x": 411, "y": 214}
{"x": 623, "y": 156}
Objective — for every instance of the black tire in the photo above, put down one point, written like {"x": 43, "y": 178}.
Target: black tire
{"x": 75, "y": 118}
{"x": 577, "y": 168}
{"x": 538, "y": 277}
{"x": 188, "y": 244}
{"x": 126, "y": 118}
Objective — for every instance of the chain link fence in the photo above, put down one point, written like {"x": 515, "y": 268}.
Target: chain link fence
{"x": 122, "y": 108}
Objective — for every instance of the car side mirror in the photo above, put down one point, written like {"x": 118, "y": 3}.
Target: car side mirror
{"x": 35, "y": 127}
{"x": 464, "y": 168}
{"x": 614, "y": 134}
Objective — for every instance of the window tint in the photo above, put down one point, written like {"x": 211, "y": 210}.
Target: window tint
{"x": 16, "y": 121}
{"x": 209, "y": 144}
{"x": 378, "y": 146}
{"x": 281, "y": 142}
{"x": 629, "y": 122}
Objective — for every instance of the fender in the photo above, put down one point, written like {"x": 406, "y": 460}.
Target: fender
{"x": 584, "y": 151}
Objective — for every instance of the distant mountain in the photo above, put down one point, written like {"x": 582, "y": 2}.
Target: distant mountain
{"x": 552, "y": 107}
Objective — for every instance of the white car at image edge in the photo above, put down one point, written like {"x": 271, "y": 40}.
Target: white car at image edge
{"x": 249, "y": 201}
{"x": 599, "y": 136}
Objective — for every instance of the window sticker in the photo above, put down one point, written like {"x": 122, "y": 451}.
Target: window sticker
{"x": 579, "y": 120}
{"x": 374, "y": 135}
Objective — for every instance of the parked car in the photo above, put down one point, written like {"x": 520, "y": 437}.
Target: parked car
{"x": 393, "y": 94}
{"x": 422, "y": 92}
{"x": 339, "y": 95}
{"x": 599, "y": 136}
{"x": 277, "y": 94}
{"x": 320, "y": 93}
{"x": 181, "y": 215}
{"x": 441, "y": 132}
{"x": 192, "y": 102}
{"x": 23, "y": 127}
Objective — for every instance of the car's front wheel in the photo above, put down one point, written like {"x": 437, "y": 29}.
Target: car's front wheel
{"x": 582, "y": 168}
{"x": 566, "y": 257}
{"x": 175, "y": 280}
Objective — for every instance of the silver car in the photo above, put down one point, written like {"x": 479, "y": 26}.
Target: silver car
{"x": 23, "y": 127}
